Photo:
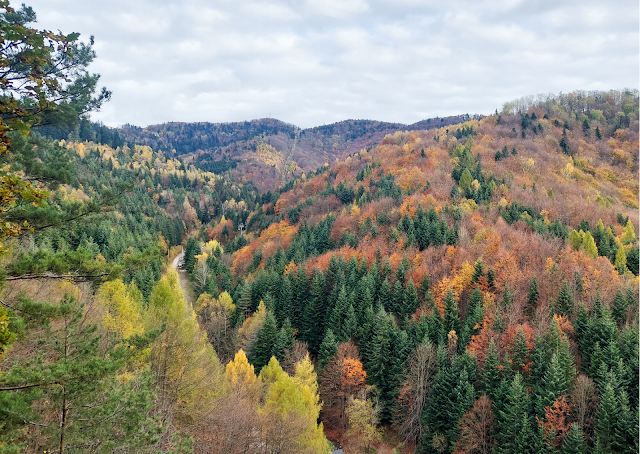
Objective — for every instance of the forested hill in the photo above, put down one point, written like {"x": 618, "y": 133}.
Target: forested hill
{"x": 286, "y": 152}
{"x": 465, "y": 288}
{"x": 470, "y": 288}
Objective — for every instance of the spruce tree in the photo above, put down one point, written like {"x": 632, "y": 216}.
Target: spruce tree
{"x": 451, "y": 318}
{"x": 573, "y": 442}
{"x": 478, "y": 272}
{"x": 314, "y": 317}
{"x": 607, "y": 417}
{"x": 339, "y": 313}
{"x": 263, "y": 348}
{"x": 532, "y": 299}
{"x": 410, "y": 300}
{"x": 397, "y": 298}
{"x": 520, "y": 354}
{"x": 491, "y": 276}
{"x": 328, "y": 348}
{"x": 385, "y": 297}
{"x": 619, "y": 308}
{"x": 565, "y": 304}
{"x": 492, "y": 374}
{"x": 285, "y": 341}
{"x": 350, "y": 324}
{"x": 514, "y": 425}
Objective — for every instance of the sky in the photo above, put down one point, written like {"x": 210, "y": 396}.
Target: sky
{"x": 315, "y": 62}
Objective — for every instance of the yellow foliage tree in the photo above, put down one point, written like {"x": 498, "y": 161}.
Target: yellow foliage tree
{"x": 363, "y": 418}
{"x": 628, "y": 234}
{"x": 188, "y": 372}
{"x": 290, "y": 410}
{"x": 240, "y": 374}
{"x": 123, "y": 314}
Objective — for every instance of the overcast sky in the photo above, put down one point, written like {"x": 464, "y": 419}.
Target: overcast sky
{"x": 313, "y": 62}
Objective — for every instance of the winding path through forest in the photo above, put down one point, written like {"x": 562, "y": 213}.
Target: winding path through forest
{"x": 182, "y": 275}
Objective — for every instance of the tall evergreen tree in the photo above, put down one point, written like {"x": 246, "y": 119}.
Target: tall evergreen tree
{"x": 532, "y": 298}
{"x": 263, "y": 348}
{"x": 328, "y": 348}
{"x": 451, "y": 317}
{"x": 565, "y": 304}
{"x": 286, "y": 339}
{"x": 573, "y": 442}
{"x": 315, "y": 313}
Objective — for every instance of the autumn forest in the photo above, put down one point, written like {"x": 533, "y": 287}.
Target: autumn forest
{"x": 465, "y": 284}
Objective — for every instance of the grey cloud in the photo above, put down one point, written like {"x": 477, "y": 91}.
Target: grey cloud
{"x": 311, "y": 62}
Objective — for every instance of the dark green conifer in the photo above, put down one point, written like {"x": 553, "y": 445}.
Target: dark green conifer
{"x": 338, "y": 314}
{"x": 350, "y": 324}
{"x": 478, "y": 272}
{"x": 285, "y": 341}
{"x": 263, "y": 347}
{"x": 328, "y": 348}
{"x": 565, "y": 304}
{"x": 573, "y": 442}
{"x": 532, "y": 299}
{"x": 491, "y": 276}
{"x": 314, "y": 318}
{"x": 385, "y": 297}
{"x": 619, "y": 308}
{"x": 451, "y": 317}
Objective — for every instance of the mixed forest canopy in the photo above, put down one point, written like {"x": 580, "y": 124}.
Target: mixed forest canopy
{"x": 467, "y": 285}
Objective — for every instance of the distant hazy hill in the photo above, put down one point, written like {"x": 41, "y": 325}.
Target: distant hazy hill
{"x": 220, "y": 147}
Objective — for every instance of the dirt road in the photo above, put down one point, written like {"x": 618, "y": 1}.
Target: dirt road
{"x": 184, "y": 282}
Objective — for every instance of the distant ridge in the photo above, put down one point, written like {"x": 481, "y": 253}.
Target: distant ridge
{"x": 222, "y": 147}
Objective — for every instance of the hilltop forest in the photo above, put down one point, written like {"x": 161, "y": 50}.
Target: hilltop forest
{"x": 467, "y": 285}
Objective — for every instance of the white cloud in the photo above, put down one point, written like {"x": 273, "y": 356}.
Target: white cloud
{"x": 313, "y": 62}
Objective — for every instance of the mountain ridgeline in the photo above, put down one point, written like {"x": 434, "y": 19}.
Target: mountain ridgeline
{"x": 222, "y": 147}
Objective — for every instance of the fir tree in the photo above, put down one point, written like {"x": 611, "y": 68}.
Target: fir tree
{"x": 350, "y": 324}
{"x": 520, "y": 354}
{"x": 478, "y": 272}
{"x": 339, "y": 313}
{"x": 532, "y": 298}
{"x": 451, "y": 318}
{"x": 491, "y": 275}
{"x": 573, "y": 442}
{"x": 285, "y": 341}
{"x": 328, "y": 348}
{"x": 263, "y": 348}
{"x": 619, "y": 308}
{"x": 607, "y": 418}
{"x": 514, "y": 430}
{"x": 565, "y": 304}
{"x": 315, "y": 313}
